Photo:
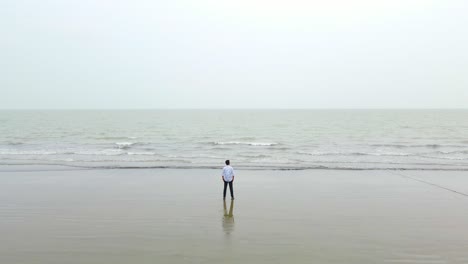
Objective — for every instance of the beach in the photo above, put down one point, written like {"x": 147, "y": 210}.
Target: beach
{"x": 53, "y": 214}
{"x": 345, "y": 122}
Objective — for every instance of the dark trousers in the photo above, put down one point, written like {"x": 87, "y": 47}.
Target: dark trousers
{"x": 230, "y": 189}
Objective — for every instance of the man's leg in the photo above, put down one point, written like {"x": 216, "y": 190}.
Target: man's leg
{"x": 224, "y": 192}
{"x": 230, "y": 189}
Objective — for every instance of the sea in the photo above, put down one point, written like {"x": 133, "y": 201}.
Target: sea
{"x": 250, "y": 139}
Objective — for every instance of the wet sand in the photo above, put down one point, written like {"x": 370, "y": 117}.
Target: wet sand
{"x": 57, "y": 215}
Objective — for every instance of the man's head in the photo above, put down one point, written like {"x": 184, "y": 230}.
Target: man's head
{"x": 227, "y": 162}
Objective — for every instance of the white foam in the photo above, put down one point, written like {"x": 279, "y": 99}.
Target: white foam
{"x": 26, "y": 152}
{"x": 446, "y": 157}
{"x": 104, "y": 152}
{"x": 141, "y": 153}
{"x": 124, "y": 145}
{"x": 246, "y": 143}
{"x": 337, "y": 153}
{"x": 389, "y": 154}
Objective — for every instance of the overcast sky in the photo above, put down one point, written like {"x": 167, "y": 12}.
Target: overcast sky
{"x": 233, "y": 54}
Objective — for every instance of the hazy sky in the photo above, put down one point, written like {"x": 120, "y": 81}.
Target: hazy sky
{"x": 233, "y": 54}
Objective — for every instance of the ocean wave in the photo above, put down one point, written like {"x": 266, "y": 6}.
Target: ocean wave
{"x": 389, "y": 145}
{"x": 14, "y": 143}
{"x": 104, "y": 152}
{"x": 141, "y": 153}
{"x": 258, "y": 156}
{"x": 27, "y": 152}
{"x": 446, "y": 157}
{"x": 219, "y": 147}
{"x": 124, "y": 145}
{"x": 136, "y": 163}
{"x": 196, "y": 156}
{"x": 190, "y": 165}
{"x": 455, "y": 158}
{"x": 264, "y": 144}
{"x": 113, "y": 137}
{"x": 433, "y": 146}
{"x": 452, "y": 152}
{"x": 318, "y": 153}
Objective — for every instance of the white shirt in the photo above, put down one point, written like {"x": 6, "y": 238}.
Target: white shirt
{"x": 228, "y": 173}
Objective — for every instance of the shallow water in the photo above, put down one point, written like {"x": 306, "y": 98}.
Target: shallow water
{"x": 178, "y": 216}
{"x": 262, "y": 139}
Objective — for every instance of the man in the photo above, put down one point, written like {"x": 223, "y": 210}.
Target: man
{"x": 228, "y": 178}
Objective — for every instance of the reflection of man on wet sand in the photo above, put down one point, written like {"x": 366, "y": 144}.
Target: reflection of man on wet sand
{"x": 228, "y": 219}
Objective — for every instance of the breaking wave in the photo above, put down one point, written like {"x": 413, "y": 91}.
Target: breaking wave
{"x": 245, "y": 143}
{"x": 124, "y": 145}
{"x": 318, "y": 153}
{"x": 191, "y": 165}
{"x": 430, "y": 146}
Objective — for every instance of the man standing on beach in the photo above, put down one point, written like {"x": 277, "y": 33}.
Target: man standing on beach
{"x": 228, "y": 178}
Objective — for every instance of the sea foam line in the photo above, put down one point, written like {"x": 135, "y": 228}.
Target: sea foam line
{"x": 260, "y": 168}
{"x": 245, "y": 143}
{"x": 337, "y": 153}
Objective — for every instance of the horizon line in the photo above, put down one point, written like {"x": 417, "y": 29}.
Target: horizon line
{"x": 219, "y": 109}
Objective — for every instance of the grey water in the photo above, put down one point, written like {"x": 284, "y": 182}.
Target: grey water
{"x": 251, "y": 139}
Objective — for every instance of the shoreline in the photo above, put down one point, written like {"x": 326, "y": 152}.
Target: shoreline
{"x": 60, "y": 167}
